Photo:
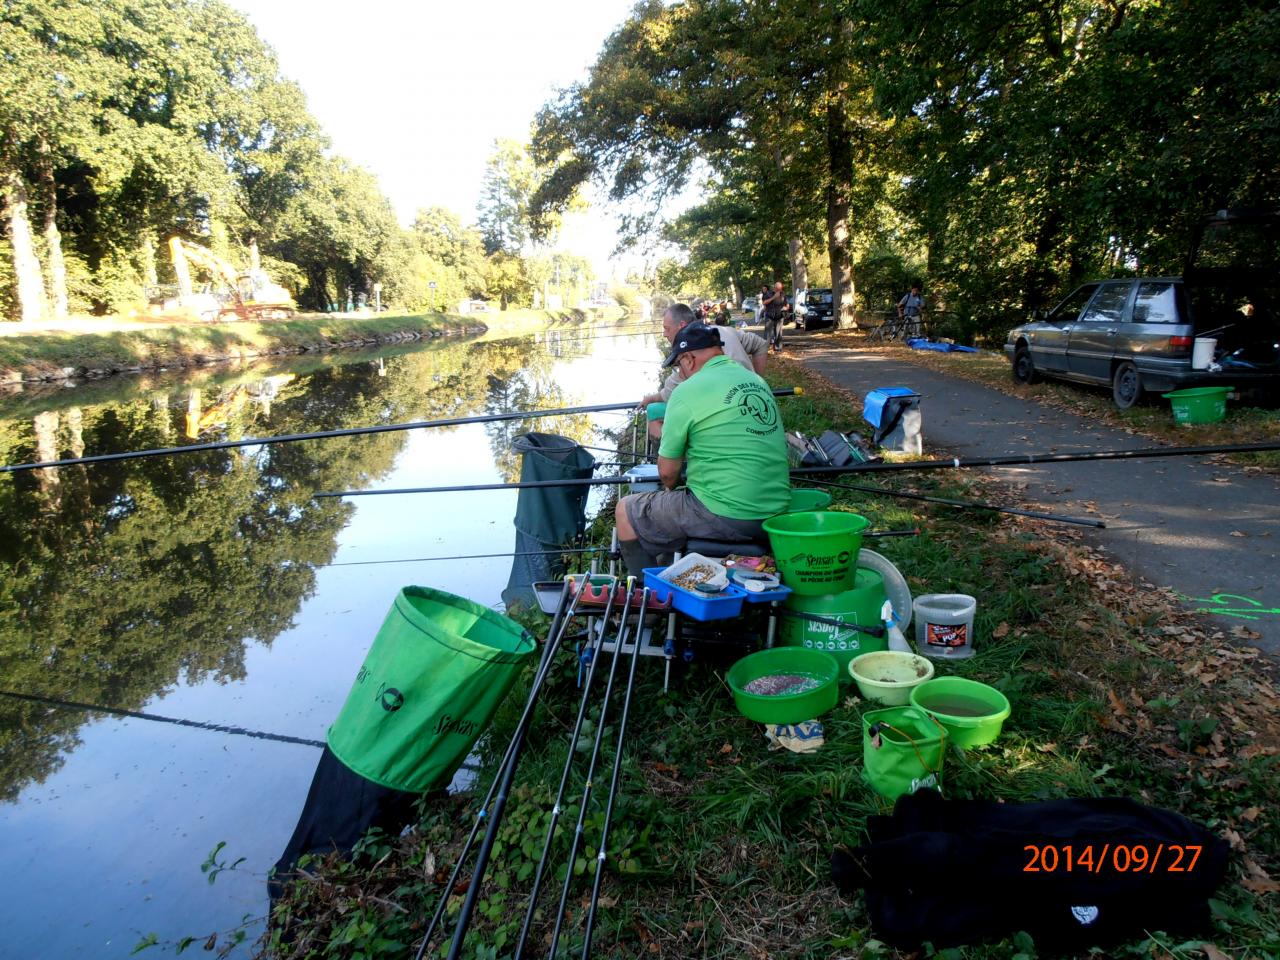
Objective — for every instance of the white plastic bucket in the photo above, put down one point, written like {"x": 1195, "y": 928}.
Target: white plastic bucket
{"x": 643, "y": 478}
{"x": 944, "y": 625}
{"x": 1202, "y": 353}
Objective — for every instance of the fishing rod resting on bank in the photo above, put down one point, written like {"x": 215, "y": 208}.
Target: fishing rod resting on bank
{"x": 555, "y": 634}
{"x": 343, "y": 432}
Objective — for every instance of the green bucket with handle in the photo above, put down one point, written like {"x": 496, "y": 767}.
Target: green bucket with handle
{"x": 431, "y": 682}
{"x": 859, "y": 606}
{"x": 817, "y": 551}
{"x": 902, "y": 751}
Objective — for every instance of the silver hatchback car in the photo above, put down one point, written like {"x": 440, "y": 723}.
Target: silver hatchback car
{"x": 1138, "y": 335}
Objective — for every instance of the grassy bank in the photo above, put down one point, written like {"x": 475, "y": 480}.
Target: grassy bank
{"x": 720, "y": 847}
{"x": 51, "y": 355}
{"x": 1153, "y": 418}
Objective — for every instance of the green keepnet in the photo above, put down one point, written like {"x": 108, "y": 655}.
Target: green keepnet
{"x": 438, "y": 669}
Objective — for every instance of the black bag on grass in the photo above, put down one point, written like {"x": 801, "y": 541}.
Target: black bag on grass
{"x": 955, "y": 872}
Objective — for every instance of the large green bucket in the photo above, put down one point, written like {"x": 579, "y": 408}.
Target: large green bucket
{"x": 817, "y": 551}
{"x": 861, "y": 605}
{"x": 1199, "y": 404}
{"x": 436, "y": 672}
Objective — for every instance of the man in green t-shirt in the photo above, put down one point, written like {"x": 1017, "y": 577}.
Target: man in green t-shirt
{"x": 723, "y": 422}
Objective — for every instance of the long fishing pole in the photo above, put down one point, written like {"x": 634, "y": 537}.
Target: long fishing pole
{"x": 472, "y": 556}
{"x": 579, "y": 830}
{"x": 808, "y": 472}
{"x": 601, "y": 853}
{"x": 540, "y": 870}
{"x": 499, "y": 807}
{"x": 558, "y": 626}
{"x": 343, "y": 432}
{"x": 157, "y": 718}
{"x": 962, "y": 504}
{"x": 1019, "y": 459}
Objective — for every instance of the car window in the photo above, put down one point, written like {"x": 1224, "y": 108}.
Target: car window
{"x": 1156, "y": 303}
{"x": 1108, "y": 305}
{"x": 1070, "y": 308}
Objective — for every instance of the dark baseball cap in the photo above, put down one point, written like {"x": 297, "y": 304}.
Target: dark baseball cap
{"x": 696, "y": 336}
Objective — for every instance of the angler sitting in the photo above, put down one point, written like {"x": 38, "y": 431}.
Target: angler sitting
{"x": 724, "y": 423}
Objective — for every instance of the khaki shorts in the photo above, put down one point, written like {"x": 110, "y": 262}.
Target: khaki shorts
{"x": 667, "y": 520}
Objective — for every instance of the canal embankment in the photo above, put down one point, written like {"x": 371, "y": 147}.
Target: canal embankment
{"x": 95, "y": 349}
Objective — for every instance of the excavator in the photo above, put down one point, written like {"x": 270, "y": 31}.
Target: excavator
{"x": 230, "y": 295}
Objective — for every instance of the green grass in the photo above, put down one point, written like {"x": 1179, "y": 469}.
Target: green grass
{"x": 720, "y": 847}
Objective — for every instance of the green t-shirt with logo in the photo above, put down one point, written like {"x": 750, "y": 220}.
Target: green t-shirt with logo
{"x": 725, "y": 423}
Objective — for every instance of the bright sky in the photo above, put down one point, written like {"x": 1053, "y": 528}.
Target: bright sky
{"x": 417, "y": 92}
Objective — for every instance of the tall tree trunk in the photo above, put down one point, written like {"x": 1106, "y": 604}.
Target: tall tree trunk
{"x": 55, "y": 265}
{"x": 839, "y": 193}
{"x": 26, "y": 265}
{"x": 149, "y": 276}
{"x": 799, "y": 265}
{"x": 255, "y": 258}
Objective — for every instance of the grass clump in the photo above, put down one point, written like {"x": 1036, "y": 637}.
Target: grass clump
{"x": 720, "y": 847}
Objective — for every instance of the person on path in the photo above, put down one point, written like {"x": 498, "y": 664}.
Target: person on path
{"x": 723, "y": 422}
{"x": 745, "y": 348}
{"x": 775, "y": 307}
{"x": 910, "y": 308}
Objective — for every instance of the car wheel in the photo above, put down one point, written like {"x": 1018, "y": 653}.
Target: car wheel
{"x": 1024, "y": 368}
{"x": 1126, "y": 385}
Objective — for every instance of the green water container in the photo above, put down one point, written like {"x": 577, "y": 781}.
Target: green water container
{"x": 861, "y": 605}
{"x": 430, "y": 684}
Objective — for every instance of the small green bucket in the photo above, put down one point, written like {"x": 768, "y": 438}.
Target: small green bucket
{"x": 817, "y": 551}
{"x": 793, "y": 708}
{"x": 972, "y": 712}
{"x": 1199, "y": 404}
{"x": 803, "y": 501}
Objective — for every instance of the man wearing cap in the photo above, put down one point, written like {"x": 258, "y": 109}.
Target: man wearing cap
{"x": 746, "y": 348}
{"x": 723, "y": 423}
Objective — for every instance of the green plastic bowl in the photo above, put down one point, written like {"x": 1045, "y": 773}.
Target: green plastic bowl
{"x": 940, "y": 694}
{"x": 803, "y": 501}
{"x": 1199, "y": 404}
{"x": 787, "y": 708}
{"x": 817, "y": 551}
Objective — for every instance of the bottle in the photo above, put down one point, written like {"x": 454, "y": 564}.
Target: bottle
{"x": 896, "y": 639}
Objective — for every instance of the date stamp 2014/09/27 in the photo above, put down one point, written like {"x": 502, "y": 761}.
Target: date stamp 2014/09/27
{"x": 1115, "y": 858}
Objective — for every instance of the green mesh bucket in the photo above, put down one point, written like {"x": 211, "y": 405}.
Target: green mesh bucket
{"x": 817, "y": 551}
{"x": 436, "y": 672}
{"x": 1199, "y": 404}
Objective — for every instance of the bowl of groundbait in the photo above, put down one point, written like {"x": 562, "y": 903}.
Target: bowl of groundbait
{"x": 889, "y": 676}
{"x": 784, "y": 684}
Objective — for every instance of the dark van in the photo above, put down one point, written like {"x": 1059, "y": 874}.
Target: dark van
{"x": 1141, "y": 334}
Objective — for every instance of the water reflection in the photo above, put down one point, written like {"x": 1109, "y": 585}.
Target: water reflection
{"x": 203, "y": 579}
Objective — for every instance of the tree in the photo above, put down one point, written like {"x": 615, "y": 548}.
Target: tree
{"x": 510, "y": 179}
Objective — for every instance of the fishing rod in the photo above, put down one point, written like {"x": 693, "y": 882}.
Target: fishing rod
{"x": 343, "y": 432}
{"x": 963, "y": 504}
{"x": 157, "y": 718}
{"x": 579, "y": 829}
{"x": 1018, "y": 459}
{"x": 495, "y": 819}
{"x": 559, "y": 625}
{"x": 558, "y": 806}
{"x": 809, "y": 472}
{"x": 870, "y": 630}
{"x": 613, "y": 784}
{"x": 472, "y": 556}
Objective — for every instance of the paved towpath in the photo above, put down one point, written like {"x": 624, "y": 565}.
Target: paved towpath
{"x": 1176, "y": 522}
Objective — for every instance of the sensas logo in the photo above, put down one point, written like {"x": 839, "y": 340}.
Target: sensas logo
{"x": 390, "y": 698}
{"x": 843, "y": 557}
{"x": 447, "y": 724}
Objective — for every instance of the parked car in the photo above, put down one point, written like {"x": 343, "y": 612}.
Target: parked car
{"x": 750, "y": 305}
{"x": 1138, "y": 335}
{"x": 814, "y": 309}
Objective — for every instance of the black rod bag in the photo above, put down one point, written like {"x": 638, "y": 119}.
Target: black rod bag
{"x": 955, "y": 872}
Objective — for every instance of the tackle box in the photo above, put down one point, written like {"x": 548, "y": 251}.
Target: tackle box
{"x": 699, "y": 606}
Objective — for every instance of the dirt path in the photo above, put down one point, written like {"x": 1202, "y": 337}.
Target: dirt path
{"x": 1208, "y": 530}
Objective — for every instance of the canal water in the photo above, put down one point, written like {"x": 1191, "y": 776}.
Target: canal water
{"x": 212, "y": 587}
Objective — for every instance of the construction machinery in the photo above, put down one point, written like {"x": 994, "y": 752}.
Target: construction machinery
{"x": 228, "y": 294}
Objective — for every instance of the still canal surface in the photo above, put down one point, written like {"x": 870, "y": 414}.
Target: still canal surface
{"x": 212, "y": 587}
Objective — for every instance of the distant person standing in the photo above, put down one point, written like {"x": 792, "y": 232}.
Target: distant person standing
{"x": 910, "y": 309}
{"x": 775, "y": 307}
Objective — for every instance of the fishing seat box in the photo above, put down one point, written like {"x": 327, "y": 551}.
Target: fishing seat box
{"x": 894, "y": 414}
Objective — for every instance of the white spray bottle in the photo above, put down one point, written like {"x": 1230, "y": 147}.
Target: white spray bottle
{"x": 896, "y": 639}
